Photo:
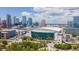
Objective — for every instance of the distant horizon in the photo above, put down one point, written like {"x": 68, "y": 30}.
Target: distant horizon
{"x": 52, "y": 15}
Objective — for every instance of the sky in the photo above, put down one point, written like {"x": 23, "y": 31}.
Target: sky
{"x": 14, "y": 10}
{"x": 58, "y": 15}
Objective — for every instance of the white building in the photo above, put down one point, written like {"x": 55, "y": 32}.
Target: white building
{"x": 58, "y": 32}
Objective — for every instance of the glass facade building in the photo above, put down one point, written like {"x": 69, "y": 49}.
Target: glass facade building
{"x": 7, "y": 34}
{"x": 4, "y": 25}
{"x": 70, "y": 23}
{"x": 29, "y": 21}
{"x": 42, "y": 35}
{"x": 74, "y": 26}
{"x": 14, "y": 20}
{"x": 76, "y": 22}
{"x": 72, "y": 31}
{"x": 9, "y": 20}
{"x": 24, "y": 20}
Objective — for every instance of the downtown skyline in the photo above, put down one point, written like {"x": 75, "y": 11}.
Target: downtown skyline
{"x": 58, "y": 15}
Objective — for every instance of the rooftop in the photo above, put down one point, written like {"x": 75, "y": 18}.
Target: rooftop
{"x": 3, "y": 30}
{"x": 48, "y": 29}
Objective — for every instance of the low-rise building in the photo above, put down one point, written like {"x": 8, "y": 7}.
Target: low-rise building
{"x": 72, "y": 31}
{"x": 45, "y": 32}
{"x": 7, "y": 33}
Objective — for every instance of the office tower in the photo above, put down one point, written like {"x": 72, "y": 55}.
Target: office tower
{"x": 43, "y": 23}
{"x": 14, "y": 18}
{"x": 24, "y": 20}
{"x": 76, "y": 22}
{"x": 9, "y": 20}
{"x": 17, "y": 21}
{"x": 29, "y": 23}
{"x": 70, "y": 23}
{"x": 36, "y": 24}
{"x": 4, "y": 25}
{"x": 0, "y": 23}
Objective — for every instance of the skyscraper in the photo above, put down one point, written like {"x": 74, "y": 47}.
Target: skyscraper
{"x": 70, "y": 23}
{"x": 24, "y": 21}
{"x": 43, "y": 23}
{"x": 4, "y": 25}
{"x": 29, "y": 21}
{"x": 0, "y": 23}
{"x": 9, "y": 20}
{"x": 76, "y": 22}
{"x": 14, "y": 18}
{"x": 17, "y": 21}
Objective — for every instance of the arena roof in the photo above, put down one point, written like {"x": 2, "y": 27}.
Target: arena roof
{"x": 48, "y": 29}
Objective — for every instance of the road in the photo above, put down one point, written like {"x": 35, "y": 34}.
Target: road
{"x": 50, "y": 46}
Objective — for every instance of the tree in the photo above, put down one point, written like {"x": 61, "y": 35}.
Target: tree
{"x": 73, "y": 35}
{"x": 27, "y": 38}
{"x": 74, "y": 46}
{"x": 30, "y": 38}
{"x": 58, "y": 46}
{"x": 43, "y": 49}
{"x": 36, "y": 46}
{"x": 49, "y": 38}
{"x": 5, "y": 42}
{"x": 43, "y": 43}
{"x": 1, "y": 46}
{"x": 25, "y": 44}
{"x": 15, "y": 47}
{"x": 64, "y": 46}
{"x": 24, "y": 38}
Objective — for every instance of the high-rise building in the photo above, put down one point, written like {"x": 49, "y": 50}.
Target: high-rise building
{"x": 36, "y": 24}
{"x": 43, "y": 23}
{"x": 4, "y": 25}
{"x": 70, "y": 23}
{"x": 76, "y": 22}
{"x": 24, "y": 20}
{"x": 29, "y": 23}
{"x": 14, "y": 20}
{"x": 17, "y": 21}
{"x": 0, "y": 23}
{"x": 9, "y": 20}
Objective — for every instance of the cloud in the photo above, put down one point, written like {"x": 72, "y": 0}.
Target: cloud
{"x": 24, "y": 13}
{"x": 57, "y": 10}
{"x": 49, "y": 14}
{"x": 53, "y": 14}
{"x": 56, "y": 14}
{"x": 39, "y": 9}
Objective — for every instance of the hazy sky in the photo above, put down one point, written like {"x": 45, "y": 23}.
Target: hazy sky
{"x": 14, "y": 10}
{"x": 50, "y": 14}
